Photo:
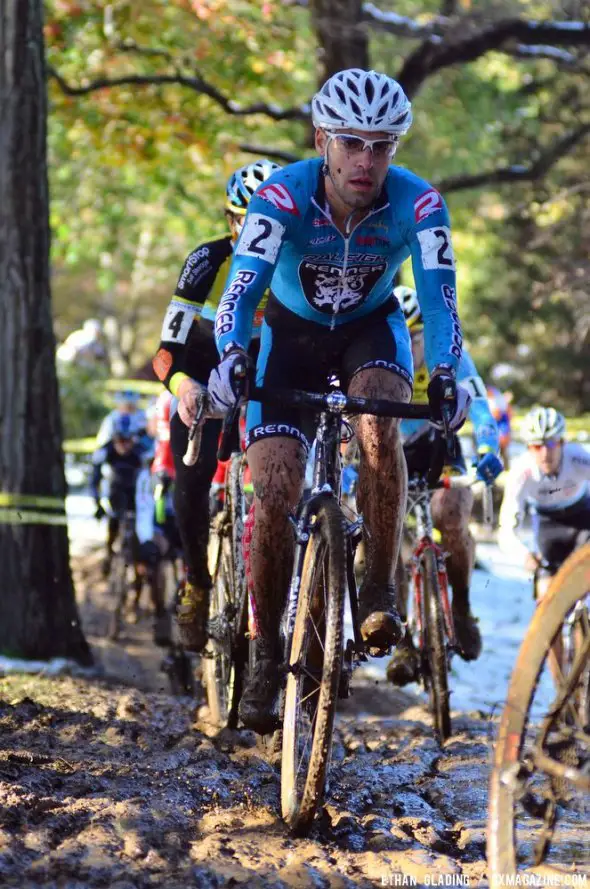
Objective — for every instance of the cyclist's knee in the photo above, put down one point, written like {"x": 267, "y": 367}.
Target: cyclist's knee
{"x": 278, "y": 470}
{"x": 451, "y": 510}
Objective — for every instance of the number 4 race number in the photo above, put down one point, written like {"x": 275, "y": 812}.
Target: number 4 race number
{"x": 177, "y": 322}
{"x": 436, "y": 248}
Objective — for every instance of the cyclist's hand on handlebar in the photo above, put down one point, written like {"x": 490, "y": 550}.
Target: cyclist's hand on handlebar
{"x": 443, "y": 392}
{"x": 488, "y": 467}
{"x": 224, "y": 389}
{"x": 189, "y": 395}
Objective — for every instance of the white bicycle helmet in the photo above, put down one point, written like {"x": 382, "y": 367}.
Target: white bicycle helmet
{"x": 542, "y": 423}
{"x": 408, "y": 300}
{"x": 243, "y": 183}
{"x": 362, "y": 100}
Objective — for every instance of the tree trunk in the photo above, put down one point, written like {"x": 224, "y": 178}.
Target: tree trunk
{"x": 38, "y": 614}
{"x": 341, "y": 34}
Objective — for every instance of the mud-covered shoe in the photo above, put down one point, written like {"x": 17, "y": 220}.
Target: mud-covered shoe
{"x": 191, "y": 616}
{"x": 404, "y": 666}
{"x": 258, "y": 708}
{"x": 467, "y": 634}
{"x": 380, "y": 624}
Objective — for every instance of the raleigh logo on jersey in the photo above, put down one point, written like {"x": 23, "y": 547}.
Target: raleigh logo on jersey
{"x": 225, "y": 319}
{"x": 329, "y": 291}
{"x": 280, "y": 197}
{"x": 427, "y": 203}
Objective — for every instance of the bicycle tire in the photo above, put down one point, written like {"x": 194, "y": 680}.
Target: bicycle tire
{"x": 436, "y": 649}
{"x": 118, "y": 591}
{"x": 571, "y": 583}
{"x": 223, "y": 666}
{"x": 323, "y": 572}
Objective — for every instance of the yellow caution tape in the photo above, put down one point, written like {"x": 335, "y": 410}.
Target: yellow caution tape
{"x": 26, "y": 500}
{"x": 30, "y": 517}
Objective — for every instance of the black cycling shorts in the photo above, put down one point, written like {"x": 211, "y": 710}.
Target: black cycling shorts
{"x": 559, "y": 533}
{"x": 297, "y": 354}
{"x": 425, "y": 452}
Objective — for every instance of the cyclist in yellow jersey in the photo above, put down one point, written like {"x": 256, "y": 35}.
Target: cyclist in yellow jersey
{"x": 184, "y": 360}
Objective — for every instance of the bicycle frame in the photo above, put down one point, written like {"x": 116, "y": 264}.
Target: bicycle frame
{"x": 419, "y": 505}
{"x": 326, "y": 480}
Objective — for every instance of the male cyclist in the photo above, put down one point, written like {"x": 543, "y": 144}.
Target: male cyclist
{"x": 127, "y": 405}
{"x": 451, "y": 507}
{"x": 183, "y": 363}
{"x": 331, "y": 233}
{"x": 551, "y": 482}
{"x": 123, "y": 455}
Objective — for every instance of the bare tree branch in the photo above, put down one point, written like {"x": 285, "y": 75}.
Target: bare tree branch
{"x": 264, "y": 151}
{"x": 196, "y": 83}
{"x": 434, "y": 53}
{"x": 544, "y": 160}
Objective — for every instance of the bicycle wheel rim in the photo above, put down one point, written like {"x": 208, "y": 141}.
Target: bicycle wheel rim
{"x": 436, "y": 648}
{"x": 309, "y": 710}
{"x": 571, "y": 583}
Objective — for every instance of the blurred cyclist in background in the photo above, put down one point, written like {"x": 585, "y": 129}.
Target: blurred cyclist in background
{"x": 500, "y": 406}
{"x": 126, "y": 405}
{"x": 551, "y": 483}
{"x": 122, "y": 454}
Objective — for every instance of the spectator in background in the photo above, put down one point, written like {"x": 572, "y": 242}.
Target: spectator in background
{"x": 85, "y": 347}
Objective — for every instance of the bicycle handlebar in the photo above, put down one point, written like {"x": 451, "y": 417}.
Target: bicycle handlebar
{"x": 339, "y": 403}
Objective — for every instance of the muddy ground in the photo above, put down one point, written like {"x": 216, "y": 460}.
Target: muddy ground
{"x": 108, "y": 780}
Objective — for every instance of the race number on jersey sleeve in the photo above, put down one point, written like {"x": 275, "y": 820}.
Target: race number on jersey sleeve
{"x": 177, "y": 321}
{"x": 436, "y": 248}
{"x": 261, "y": 237}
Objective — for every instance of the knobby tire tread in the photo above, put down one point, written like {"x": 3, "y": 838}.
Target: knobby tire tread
{"x": 438, "y": 664}
{"x": 326, "y": 541}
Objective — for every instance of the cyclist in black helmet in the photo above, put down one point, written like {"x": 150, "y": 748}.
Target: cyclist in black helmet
{"x": 184, "y": 360}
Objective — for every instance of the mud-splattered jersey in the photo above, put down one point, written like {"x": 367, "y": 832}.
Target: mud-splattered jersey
{"x": 332, "y": 279}
{"x": 485, "y": 428}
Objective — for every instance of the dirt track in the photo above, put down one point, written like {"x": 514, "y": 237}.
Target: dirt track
{"x": 102, "y": 784}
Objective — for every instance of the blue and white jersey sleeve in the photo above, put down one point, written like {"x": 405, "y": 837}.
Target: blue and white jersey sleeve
{"x": 428, "y": 235}
{"x": 485, "y": 428}
{"x": 266, "y": 226}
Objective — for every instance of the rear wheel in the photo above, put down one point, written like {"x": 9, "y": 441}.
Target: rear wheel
{"x": 544, "y": 740}
{"x": 315, "y": 661}
{"x": 436, "y": 649}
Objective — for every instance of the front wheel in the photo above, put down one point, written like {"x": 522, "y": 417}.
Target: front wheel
{"x": 315, "y": 659}
{"x": 543, "y": 746}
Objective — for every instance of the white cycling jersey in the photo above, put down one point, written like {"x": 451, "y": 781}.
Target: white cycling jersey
{"x": 527, "y": 488}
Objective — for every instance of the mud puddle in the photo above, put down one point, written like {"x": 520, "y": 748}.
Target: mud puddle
{"x": 105, "y": 784}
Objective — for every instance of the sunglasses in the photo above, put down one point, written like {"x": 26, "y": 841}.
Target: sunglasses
{"x": 550, "y": 444}
{"x": 380, "y": 148}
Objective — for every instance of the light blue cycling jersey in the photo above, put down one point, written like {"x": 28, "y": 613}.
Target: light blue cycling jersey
{"x": 485, "y": 428}
{"x": 327, "y": 278}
